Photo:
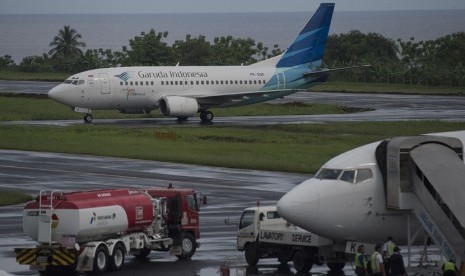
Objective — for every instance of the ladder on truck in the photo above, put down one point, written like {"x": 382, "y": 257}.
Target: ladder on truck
{"x": 426, "y": 174}
{"x": 45, "y": 216}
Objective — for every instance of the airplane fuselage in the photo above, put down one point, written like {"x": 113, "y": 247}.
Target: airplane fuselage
{"x": 141, "y": 88}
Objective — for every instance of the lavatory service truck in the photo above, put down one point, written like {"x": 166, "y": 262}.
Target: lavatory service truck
{"x": 94, "y": 230}
{"x": 262, "y": 233}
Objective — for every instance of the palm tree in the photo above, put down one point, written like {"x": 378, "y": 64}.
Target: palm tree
{"x": 66, "y": 43}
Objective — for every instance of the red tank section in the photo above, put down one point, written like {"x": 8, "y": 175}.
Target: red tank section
{"x": 137, "y": 205}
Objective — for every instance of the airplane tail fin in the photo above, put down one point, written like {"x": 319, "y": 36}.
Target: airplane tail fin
{"x": 309, "y": 46}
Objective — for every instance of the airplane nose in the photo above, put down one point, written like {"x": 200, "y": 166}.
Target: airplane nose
{"x": 300, "y": 205}
{"x": 57, "y": 93}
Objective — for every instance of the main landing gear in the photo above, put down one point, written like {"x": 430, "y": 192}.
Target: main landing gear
{"x": 88, "y": 118}
{"x": 206, "y": 116}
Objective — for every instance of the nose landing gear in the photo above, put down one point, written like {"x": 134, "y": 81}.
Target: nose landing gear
{"x": 88, "y": 118}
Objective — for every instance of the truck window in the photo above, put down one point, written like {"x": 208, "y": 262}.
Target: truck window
{"x": 247, "y": 218}
{"x": 272, "y": 215}
{"x": 191, "y": 203}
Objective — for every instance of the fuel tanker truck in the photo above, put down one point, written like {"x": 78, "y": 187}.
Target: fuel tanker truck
{"x": 94, "y": 230}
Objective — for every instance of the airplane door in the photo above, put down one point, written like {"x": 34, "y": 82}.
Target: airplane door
{"x": 281, "y": 81}
{"x": 104, "y": 83}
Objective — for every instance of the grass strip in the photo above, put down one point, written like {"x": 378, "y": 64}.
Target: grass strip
{"x": 299, "y": 148}
{"x": 10, "y": 197}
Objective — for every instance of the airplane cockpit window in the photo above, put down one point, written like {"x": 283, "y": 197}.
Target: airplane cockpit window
{"x": 328, "y": 174}
{"x": 81, "y": 82}
{"x": 348, "y": 176}
{"x": 363, "y": 174}
{"x": 68, "y": 81}
{"x": 75, "y": 82}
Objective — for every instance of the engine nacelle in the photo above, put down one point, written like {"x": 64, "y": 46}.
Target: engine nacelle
{"x": 176, "y": 106}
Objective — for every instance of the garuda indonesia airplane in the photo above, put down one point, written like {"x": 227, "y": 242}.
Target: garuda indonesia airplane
{"x": 184, "y": 91}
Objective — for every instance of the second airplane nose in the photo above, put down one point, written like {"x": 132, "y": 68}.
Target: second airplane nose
{"x": 300, "y": 205}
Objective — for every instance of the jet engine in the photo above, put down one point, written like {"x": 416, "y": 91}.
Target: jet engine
{"x": 176, "y": 106}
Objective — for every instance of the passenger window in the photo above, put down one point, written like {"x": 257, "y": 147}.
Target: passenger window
{"x": 162, "y": 83}
{"x": 151, "y": 82}
{"x": 175, "y": 82}
{"x": 126, "y": 83}
{"x": 247, "y": 219}
{"x": 131, "y": 82}
{"x": 207, "y": 82}
{"x": 171, "y": 82}
{"x": 363, "y": 174}
{"x": 272, "y": 215}
{"x": 202, "y": 82}
{"x": 192, "y": 82}
{"x": 348, "y": 176}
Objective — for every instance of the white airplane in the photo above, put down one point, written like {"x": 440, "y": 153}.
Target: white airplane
{"x": 400, "y": 187}
{"x": 183, "y": 91}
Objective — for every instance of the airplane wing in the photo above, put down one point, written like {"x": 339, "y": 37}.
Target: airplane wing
{"x": 241, "y": 98}
{"x": 325, "y": 71}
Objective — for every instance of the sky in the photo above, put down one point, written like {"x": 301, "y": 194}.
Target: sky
{"x": 213, "y": 6}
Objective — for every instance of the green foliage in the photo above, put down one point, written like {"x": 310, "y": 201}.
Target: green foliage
{"x": 432, "y": 62}
{"x": 9, "y": 197}
{"x": 6, "y": 63}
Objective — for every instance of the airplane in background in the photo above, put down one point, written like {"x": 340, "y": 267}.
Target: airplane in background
{"x": 401, "y": 187}
{"x": 184, "y": 91}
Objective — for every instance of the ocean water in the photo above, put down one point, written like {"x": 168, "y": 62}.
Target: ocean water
{"x": 31, "y": 34}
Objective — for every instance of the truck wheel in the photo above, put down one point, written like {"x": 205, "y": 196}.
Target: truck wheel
{"x": 143, "y": 253}
{"x": 301, "y": 264}
{"x": 188, "y": 246}
{"x": 251, "y": 254}
{"x": 117, "y": 258}
{"x": 336, "y": 266}
{"x": 100, "y": 260}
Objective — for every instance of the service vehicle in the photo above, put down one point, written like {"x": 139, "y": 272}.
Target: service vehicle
{"x": 262, "y": 233}
{"x": 93, "y": 231}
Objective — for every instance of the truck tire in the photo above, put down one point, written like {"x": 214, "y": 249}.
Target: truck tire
{"x": 117, "y": 258}
{"x": 251, "y": 254}
{"x": 188, "y": 246}
{"x": 301, "y": 264}
{"x": 100, "y": 260}
{"x": 336, "y": 266}
{"x": 143, "y": 253}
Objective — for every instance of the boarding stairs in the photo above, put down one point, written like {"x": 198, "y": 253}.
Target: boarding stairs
{"x": 426, "y": 175}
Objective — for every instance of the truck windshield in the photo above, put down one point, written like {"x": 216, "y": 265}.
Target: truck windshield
{"x": 247, "y": 218}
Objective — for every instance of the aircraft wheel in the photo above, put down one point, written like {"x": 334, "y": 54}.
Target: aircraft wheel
{"x": 88, "y": 118}
{"x": 117, "y": 258}
{"x": 206, "y": 116}
{"x": 100, "y": 260}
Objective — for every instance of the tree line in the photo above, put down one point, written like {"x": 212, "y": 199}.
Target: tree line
{"x": 430, "y": 62}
